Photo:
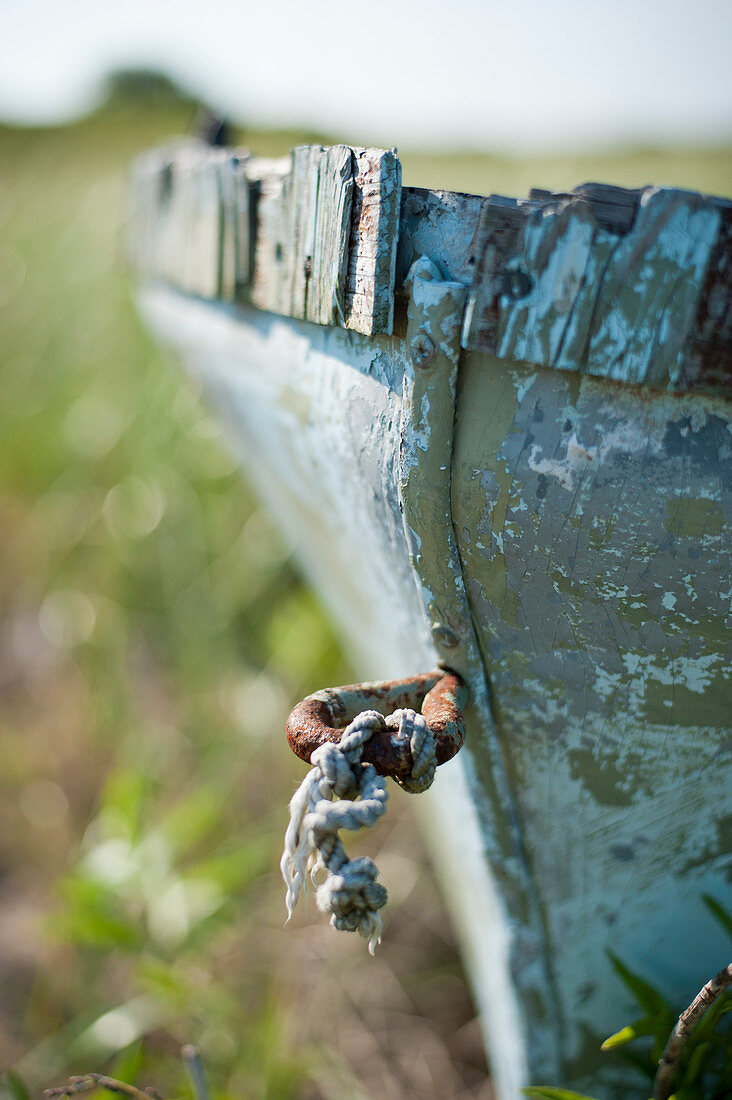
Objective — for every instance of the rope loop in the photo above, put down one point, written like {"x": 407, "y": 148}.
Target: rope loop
{"x": 412, "y": 726}
{"x": 342, "y": 792}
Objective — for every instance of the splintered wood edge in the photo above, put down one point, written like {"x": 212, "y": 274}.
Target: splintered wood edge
{"x": 370, "y": 275}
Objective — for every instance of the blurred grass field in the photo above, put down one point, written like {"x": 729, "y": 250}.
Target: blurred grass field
{"x": 153, "y": 637}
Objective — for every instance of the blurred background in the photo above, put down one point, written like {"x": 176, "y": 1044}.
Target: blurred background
{"x": 153, "y": 630}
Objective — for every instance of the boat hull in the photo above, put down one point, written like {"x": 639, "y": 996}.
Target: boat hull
{"x": 586, "y": 812}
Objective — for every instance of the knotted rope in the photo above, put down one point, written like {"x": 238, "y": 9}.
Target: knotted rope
{"x": 349, "y": 892}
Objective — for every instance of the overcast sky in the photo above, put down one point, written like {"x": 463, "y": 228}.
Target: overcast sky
{"x": 516, "y": 74}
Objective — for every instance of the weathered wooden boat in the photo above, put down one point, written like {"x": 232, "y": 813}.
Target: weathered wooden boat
{"x": 498, "y": 433}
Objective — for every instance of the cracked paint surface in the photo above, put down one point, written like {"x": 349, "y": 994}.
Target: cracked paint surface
{"x": 590, "y": 526}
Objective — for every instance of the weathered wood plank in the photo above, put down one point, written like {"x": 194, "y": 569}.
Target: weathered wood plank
{"x": 303, "y": 223}
{"x": 245, "y": 232}
{"x": 614, "y": 208}
{"x": 326, "y": 237}
{"x": 170, "y": 259}
{"x": 319, "y": 209}
{"x": 592, "y": 525}
{"x": 234, "y": 256}
{"x": 494, "y": 243}
{"x": 603, "y": 281}
{"x": 204, "y": 226}
{"x": 373, "y": 242}
{"x": 300, "y": 213}
{"x": 148, "y": 221}
{"x": 190, "y": 224}
{"x": 647, "y": 300}
{"x": 269, "y": 179}
{"x": 329, "y": 259}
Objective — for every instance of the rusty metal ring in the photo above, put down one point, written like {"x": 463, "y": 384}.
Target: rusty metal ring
{"x": 322, "y": 717}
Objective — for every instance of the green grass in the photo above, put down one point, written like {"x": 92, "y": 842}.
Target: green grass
{"x": 148, "y": 656}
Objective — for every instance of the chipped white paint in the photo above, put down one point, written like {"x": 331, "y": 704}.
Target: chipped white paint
{"x": 522, "y": 383}
{"x": 568, "y": 470}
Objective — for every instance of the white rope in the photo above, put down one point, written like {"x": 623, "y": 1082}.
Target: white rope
{"x": 349, "y": 892}
{"x": 413, "y": 725}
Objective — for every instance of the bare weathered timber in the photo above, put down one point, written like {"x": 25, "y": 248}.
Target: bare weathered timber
{"x": 706, "y": 364}
{"x": 302, "y": 233}
{"x": 270, "y": 182}
{"x": 197, "y": 184}
{"x": 191, "y": 222}
{"x": 326, "y": 286}
{"x": 373, "y": 243}
{"x": 235, "y": 235}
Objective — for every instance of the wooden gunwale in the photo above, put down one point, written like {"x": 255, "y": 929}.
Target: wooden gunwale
{"x": 555, "y": 280}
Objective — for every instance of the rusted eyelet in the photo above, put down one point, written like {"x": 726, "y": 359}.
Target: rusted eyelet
{"x": 439, "y": 695}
